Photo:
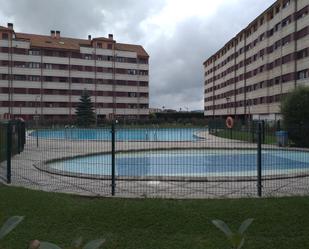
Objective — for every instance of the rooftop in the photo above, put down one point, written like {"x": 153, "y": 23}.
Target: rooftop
{"x": 67, "y": 43}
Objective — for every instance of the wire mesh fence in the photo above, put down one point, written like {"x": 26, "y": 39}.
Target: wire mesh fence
{"x": 175, "y": 162}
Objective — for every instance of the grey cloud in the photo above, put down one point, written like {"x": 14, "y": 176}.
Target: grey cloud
{"x": 176, "y": 66}
{"x": 78, "y": 18}
{"x": 176, "y": 69}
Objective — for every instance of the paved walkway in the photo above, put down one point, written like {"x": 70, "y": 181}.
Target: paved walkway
{"x": 25, "y": 174}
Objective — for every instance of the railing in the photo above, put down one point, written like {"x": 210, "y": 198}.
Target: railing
{"x": 179, "y": 162}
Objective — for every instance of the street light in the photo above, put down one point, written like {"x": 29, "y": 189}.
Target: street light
{"x": 36, "y": 117}
{"x": 228, "y": 105}
{"x": 228, "y": 112}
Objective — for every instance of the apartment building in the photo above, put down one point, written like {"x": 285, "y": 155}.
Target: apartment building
{"x": 253, "y": 71}
{"x": 44, "y": 76}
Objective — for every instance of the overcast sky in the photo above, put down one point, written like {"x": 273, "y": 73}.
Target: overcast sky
{"x": 179, "y": 35}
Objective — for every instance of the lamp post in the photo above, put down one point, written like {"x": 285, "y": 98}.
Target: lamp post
{"x": 228, "y": 112}
{"x": 228, "y": 105}
{"x": 36, "y": 117}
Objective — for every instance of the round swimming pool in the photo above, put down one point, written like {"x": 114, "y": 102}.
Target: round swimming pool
{"x": 140, "y": 134}
{"x": 186, "y": 163}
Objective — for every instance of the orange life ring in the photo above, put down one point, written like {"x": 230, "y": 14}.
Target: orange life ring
{"x": 229, "y": 122}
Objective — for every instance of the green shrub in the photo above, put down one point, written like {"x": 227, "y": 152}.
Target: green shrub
{"x": 295, "y": 112}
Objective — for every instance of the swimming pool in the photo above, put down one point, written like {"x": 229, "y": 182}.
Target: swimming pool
{"x": 187, "y": 163}
{"x": 140, "y": 134}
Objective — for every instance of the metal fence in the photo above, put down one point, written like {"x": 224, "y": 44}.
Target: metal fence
{"x": 12, "y": 141}
{"x": 176, "y": 162}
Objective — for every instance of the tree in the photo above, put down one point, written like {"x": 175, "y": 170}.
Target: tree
{"x": 295, "y": 112}
{"x": 85, "y": 110}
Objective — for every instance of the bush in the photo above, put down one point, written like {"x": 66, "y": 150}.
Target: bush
{"x": 295, "y": 112}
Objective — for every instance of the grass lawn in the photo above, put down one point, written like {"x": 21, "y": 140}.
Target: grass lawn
{"x": 152, "y": 223}
{"x": 243, "y": 136}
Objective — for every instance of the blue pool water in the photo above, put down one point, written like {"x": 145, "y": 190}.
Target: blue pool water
{"x": 191, "y": 162}
{"x": 153, "y": 134}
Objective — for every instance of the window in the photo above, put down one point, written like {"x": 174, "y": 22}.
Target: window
{"x": 262, "y": 68}
{"x": 143, "y": 83}
{"x": 132, "y": 94}
{"x": 270, "y": 49}
{"x": 286, "y": 4}
{"x": 99, "y": 58}
{"x": 109, "y": 46}
{"x": 143, "y": 72}
{"x": 19, "y": 64}
{"x": 88, "y": 80}
{"x": 288, "y": 77}
{"x": 302, "y": 33}
{"x": 286, "y": 40}
{"x": 302, "y": 53}
{"x": 277, "y": 44}
{"x": 286, "y": 21}
{"x": 34, "y": 52}
{"x": 99, "y": 45}
{"x": 261, "y": 21}
{"x": 132, "y": 71}
{"x": 34, "y": 78}
{"x": 63, "y": 79}
{"x": 87, "y": 57}
{"x": 120, "y": 59}
{"x": 302, "y": 74}
{"x": 76, "y": 55}
{"x": 19, "y": 51}
{"x": 62, "y": 54}
{"x": 270, "y": 15}
{"x": 302, "y": 13}
{"x": 277, "y": 27}
{"x": 20, "y": 77}
{"x": 134, "y": 60}
{"x": 34, "y": 65}
{"x": 270, "y": 32}
{"x": 88, "y": 68}
{"x": 48, "y": 78}
{"x": 286, "y": 58}
{"x": 5, "y": 36}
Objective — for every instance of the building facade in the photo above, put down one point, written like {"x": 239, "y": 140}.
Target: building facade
{"x": 44, "y": 76}
{"x": 252, "y": 72}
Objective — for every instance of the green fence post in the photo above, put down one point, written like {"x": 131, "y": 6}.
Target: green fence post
{"x": 19, "y": 136}
{"x": 113, "y": 159}
{"x": 259, "y": 159}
